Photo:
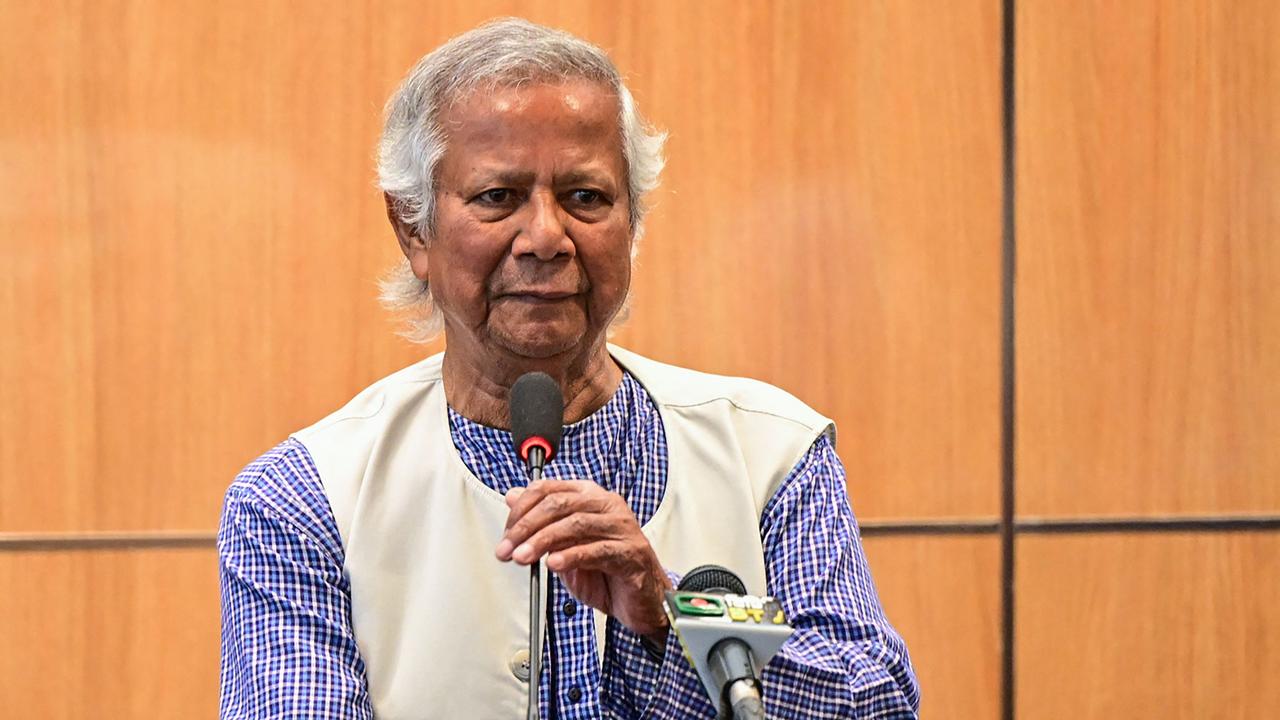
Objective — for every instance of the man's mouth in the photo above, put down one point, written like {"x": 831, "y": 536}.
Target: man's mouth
{"x": 539, "y": 295}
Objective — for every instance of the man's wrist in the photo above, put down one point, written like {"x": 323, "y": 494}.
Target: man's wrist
{"x": 655, "y": 643}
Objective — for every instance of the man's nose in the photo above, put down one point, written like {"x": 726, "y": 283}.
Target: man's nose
{"x": 543, "y": 234}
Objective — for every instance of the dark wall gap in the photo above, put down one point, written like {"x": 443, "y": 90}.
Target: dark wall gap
{"x": 1008, "y": 365}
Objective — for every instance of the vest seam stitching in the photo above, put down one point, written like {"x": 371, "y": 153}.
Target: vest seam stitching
{"x": 754, "y": 411}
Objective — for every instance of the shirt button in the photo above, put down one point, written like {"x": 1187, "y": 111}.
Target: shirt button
{"x": 574, "y": 694}
{"x": 570, "y": 608}
{"x": 519, "y": 665}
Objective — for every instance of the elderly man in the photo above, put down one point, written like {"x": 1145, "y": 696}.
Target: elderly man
{"x": 374, "y": 564}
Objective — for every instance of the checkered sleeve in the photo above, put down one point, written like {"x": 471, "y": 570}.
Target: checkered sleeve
{"x": 844, "y": 661}
{"x": 287, "y": 646}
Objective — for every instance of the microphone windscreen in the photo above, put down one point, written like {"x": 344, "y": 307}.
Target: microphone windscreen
{"x": 537, "y": 410}
{"x": 713, "y": 579}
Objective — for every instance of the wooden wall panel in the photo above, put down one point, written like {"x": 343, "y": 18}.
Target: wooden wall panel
{"x": 943, "y": 595}
{"x": 1149, "y": 272}
{"x": 191, "y": 235}
{"x": 1181, "y": 627}
{"x": 189, "y": 262}
{"x": 109, "y": 634}
{"x": 832, "y": 226}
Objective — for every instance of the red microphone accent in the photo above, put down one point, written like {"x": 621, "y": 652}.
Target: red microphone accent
{"x": 533, "y": 442}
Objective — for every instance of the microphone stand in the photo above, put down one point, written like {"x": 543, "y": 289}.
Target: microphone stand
{"x": 537, "y": 457}
{"x": 537, "y": 420}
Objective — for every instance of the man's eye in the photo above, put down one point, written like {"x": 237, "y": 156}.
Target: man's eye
{"x": 496, "y": 196}
{"x": 586, "y": 197}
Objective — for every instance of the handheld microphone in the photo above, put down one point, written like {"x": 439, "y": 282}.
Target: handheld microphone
{"x": 727, "y": 636}
{"x": 537, "y": 421}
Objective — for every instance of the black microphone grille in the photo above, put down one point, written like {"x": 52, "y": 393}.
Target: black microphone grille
{"x": 712, "y": 579}
{"x": 537, "y": 411}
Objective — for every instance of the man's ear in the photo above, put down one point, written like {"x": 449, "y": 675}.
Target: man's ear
{"x": 413, "y": 245}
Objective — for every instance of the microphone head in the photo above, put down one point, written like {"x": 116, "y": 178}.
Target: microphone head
{"x": 714, "y": 579}
{"x": 726, "y": 634}
{"x": 537, "y": 415}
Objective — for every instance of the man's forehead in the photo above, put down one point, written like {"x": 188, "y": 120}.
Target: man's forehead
{"x": 573, "y": 125}
{"x": 513, "y": 172}
{"x": 576, "y": 100}
{"x": 568, "y": 97}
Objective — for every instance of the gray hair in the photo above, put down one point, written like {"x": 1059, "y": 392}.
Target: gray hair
{"x": 504, "y": 52}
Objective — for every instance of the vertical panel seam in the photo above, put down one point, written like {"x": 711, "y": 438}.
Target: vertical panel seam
{"x": 1008, "y": 276}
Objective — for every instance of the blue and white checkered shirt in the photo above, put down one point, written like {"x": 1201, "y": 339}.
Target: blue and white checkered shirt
{"x": 288, "y": 649}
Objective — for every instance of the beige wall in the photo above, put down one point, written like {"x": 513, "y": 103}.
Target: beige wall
{"x": 191, "y": 240}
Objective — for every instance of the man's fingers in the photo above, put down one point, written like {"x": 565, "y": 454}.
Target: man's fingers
{"x": 544, "y": 502}
{"x": 548, "y": 510}
{"x": 608, "y": 556}
{"x": 512, "y": 495}
{"x": 521, "y": 500}
{"x": 566, "y": 532}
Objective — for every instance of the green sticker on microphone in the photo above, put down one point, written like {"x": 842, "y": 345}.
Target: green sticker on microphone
{"x": 688, "y": 603}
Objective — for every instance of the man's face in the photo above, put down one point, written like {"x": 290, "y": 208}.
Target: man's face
{"x": 531, "y": 252}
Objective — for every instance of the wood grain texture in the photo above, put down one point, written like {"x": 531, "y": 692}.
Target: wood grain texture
{"x": 191, "y": 257}
{"x": 1182, "y": 627}
{"x": 943, "y": 595}
{"x": 122, "y": 635}
{"x": 831, "y": 227}
{"x": 1149, "y": 272}
{"x": 192, "y": 235}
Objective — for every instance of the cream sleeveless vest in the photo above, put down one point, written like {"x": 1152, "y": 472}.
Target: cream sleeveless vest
{"x": 437, "y": 618}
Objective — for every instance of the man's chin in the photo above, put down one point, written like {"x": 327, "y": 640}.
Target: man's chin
{"x": 538, "y": 345}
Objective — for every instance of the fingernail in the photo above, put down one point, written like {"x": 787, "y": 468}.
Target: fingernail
{"x": 524, "y": 553}
{"x": 504, "y": 549}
